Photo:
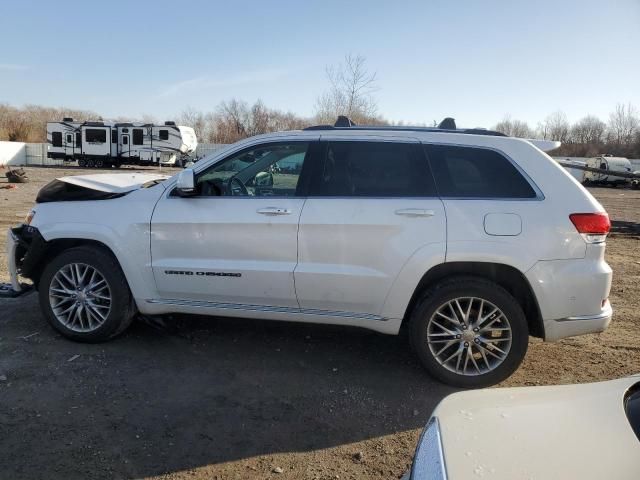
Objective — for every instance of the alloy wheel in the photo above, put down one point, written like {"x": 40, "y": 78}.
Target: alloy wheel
{"x": 469, "y": 336}
{"x": 80, "y": 297}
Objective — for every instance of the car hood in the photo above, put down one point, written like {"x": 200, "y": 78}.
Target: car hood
{"x": 101, "y": 186}
{"x": 113, "y": 182}
{"x": 570, "y": 431}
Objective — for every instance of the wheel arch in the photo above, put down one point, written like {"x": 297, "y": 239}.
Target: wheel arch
{"x": 50, "y": 249}
{"x": 508, "y": 277}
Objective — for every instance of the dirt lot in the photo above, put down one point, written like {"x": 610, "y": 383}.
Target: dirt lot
{"x": 221, "y": 398}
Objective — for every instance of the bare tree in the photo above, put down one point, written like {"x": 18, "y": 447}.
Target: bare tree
{"x": 514, "y": 128}
{"x": 351, "y": 88}
{"x": 588, "y": 130}
{"x": 623, "y": 124}
{"x": 190, "y": 117}
{"x": 555, "y": 127}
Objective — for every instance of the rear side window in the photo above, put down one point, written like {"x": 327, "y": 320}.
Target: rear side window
{"x": 468, "y": 172}
{"x": 56, "y": 139}
{"x": 114, "y": 136}
{"x": 164, "y": 135}
{"x": 372, "y": 169}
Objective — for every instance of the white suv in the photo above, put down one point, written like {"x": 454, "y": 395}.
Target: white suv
{"x": 469, "y": 240}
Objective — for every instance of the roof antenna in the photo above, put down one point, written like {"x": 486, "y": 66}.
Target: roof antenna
{"x": 447, "y": 124}
{"x": 344, "y": 121}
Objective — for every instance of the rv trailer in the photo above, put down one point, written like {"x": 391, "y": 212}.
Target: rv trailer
{"x": 608, "y": 166}
{"x": 105, "y": 144}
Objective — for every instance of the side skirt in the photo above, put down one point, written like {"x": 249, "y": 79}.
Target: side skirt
{"x": 267, "y": 312}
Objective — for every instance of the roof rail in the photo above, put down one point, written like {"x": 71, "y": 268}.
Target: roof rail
{"x": 448, "y": 125}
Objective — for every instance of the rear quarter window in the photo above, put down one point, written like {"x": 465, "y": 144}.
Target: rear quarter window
{"x": 468, "y": 172}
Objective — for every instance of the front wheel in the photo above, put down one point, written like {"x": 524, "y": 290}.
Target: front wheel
{"x": 85, "y": 296}
{"x": 469, "y": 332}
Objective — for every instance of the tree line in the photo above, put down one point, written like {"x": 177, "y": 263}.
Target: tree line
{"x": 351, "y": 92}
{"x": 589, "y": 136}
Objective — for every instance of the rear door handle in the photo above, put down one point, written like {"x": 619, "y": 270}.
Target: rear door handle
{"x": 415, "y": 212}
{"x": 274, "y": 211}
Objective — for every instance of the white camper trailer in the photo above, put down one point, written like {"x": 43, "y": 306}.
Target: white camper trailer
{"x": 103, "y": 144}
{"x": 610, "y": 165}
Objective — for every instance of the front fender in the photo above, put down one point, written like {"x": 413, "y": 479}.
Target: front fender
{"x": 130, "y": 246}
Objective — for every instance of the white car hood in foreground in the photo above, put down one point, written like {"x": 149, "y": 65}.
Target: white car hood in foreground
{"x": 561, "y": 432}
{"x": 113, "y": 182}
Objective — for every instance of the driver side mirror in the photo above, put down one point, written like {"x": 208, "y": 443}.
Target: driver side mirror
{"x": 186, "y": 185}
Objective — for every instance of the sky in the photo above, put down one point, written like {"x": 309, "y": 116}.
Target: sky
{"x": 472, "y": 60}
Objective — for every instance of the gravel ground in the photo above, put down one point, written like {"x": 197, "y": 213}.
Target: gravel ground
{"x": 221, "y": 398}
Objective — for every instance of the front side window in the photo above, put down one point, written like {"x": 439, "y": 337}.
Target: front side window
{"x": 267, "y": 170}
{"x": 468, "y": 172}
{"x": 164, "y": 134}
{"x": 56, "y": 139}
{"x": 137, "y": 136}
{"x": 95, "y": 135}
{"x": 114, "y": 136}
{"x": 372, "y": 169}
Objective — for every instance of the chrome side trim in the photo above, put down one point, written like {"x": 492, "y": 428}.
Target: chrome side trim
{"x": 600, "y": 316}
{"x": 263, "y": 308}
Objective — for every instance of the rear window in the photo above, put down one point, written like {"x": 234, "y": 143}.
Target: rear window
{"x": 468, "y": 172}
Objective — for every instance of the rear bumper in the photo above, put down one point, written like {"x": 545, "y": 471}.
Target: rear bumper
{"x": 573, "y": 294}
{"x": 578, "y": 325}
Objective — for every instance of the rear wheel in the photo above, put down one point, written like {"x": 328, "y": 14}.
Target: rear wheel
{"x": 469, "y": 332}
{"x": 90, "y": 163}
{"x": 99, "y": 163}
{"x": 84, "y": 295}
{"x": 82, "y": 163}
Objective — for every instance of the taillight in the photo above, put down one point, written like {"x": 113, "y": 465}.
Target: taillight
{"x": 592, "y": 226}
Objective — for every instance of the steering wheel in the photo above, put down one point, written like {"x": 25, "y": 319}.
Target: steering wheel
{"x": 236, "y": 185}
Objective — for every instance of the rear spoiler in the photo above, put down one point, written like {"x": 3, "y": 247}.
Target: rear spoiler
{"x": 544, "y": 145}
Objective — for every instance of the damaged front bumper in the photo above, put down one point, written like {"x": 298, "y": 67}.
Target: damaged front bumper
{"x": 25, "y": 246}
{"x": 12, "y": 247}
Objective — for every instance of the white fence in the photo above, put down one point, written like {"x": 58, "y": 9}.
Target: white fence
{"x": 205, "y": 149}
{"x": 12, "y": 153}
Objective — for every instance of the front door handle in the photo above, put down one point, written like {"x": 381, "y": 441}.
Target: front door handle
{"x": 274, "y": 211}
{"x": 415, "y": 212}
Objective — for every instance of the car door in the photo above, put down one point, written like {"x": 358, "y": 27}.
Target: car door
{"x": 371, "y": 206}
{"x": 235, "y": 242}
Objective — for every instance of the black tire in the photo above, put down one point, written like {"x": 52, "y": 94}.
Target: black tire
{"x": 122, "y": 309}
{"x": 479, "y": 288}
{"x": 90, "y": 163}
{"x": 82, "y": 163}
{"x": 99, "y": 163}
